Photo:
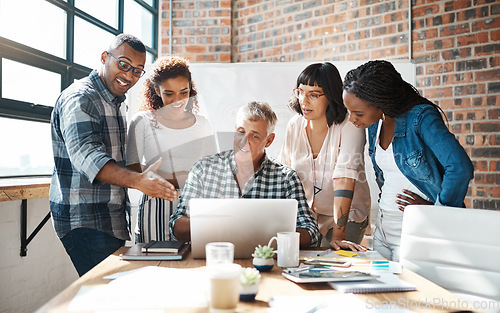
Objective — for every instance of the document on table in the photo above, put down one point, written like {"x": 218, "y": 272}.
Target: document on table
{"x": 328, "y": 304}
{"x": 145, "y": 289}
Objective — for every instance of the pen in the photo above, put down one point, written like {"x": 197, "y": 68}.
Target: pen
{"x": 297, "y": 269}
{"x": 324, "y": 252}
{"x": 323, "y": 268}
{"x": 316, "y": 308}
{"x": 316, "y": 268}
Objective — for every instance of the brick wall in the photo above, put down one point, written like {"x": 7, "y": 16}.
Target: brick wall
{"x": 455, "y": 44}
{"x": 456, "y": 47}
{"x": 289, "y": 31}
{"x": 201, "y": 30}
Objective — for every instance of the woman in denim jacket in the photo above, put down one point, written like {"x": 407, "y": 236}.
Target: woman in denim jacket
{"x": 415, "y": 157}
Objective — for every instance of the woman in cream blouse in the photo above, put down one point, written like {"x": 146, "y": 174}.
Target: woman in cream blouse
{"x": 327, "y": 153}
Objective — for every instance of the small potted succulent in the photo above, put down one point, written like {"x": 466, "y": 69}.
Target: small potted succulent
{"x": 249, "y": 281}
{"x": 263, "y": 258}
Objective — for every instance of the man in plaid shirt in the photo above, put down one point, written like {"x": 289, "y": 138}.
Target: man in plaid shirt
{"x": 246, "y": 172}
{"x": 88, "y": 194}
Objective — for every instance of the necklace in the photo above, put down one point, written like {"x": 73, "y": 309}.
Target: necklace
{"x": 316, "y": 188}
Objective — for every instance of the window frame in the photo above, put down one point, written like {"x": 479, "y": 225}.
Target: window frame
{"x": 67, "y": 68}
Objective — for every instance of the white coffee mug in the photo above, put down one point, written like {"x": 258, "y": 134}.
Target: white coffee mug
{"x": 288, "y": 248}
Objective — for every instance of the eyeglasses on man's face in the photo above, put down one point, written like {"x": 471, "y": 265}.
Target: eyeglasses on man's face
{"x": 311, "y": 95}
{"x": 124, "y": 66}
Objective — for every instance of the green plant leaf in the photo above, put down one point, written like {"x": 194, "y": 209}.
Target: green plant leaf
{"x": 264, "y": 252}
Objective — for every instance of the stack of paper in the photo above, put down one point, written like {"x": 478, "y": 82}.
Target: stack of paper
{"x": 381, "y": 272}
{"x": 147, "y": 288}
{"x": 369, "y": 261}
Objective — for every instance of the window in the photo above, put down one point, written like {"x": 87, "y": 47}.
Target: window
{"x": 90, "y": 42}
{"x": 44, "y": 88}
{"x": 44, "y": 46}
{"x": 136, "y": 21}
{"x": 19, "y": 159}
{"x": 38, "y": 18}
{"x": 106, "y": 11}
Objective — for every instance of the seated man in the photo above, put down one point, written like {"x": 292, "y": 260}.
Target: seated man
{"x": 245, "y": 172}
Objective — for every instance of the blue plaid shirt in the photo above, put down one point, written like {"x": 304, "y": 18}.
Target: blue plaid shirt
{"x": 213, "y": 177}
{"x": 88, "y": 130}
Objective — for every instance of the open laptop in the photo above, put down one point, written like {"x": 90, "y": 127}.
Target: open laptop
{"x": 246, "y": 223}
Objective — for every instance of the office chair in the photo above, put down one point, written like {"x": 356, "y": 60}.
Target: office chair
{"x": 456, "y": 248}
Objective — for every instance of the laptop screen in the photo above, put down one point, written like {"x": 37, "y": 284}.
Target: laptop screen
{"x": 246, "y": 223}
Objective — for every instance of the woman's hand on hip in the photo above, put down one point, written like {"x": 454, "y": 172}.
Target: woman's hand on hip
{"x": 408, "y": 197}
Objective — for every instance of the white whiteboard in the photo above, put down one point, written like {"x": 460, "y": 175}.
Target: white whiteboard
{"x": 224, "y": 87}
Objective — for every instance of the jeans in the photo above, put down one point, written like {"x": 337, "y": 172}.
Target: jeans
{"x": 88, "y": 247}
{"x": 387, "y": 236}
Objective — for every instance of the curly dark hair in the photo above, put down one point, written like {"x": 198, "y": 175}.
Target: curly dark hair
{"x": 166, "y": 68}
{"x": 326, "y": 76}
{"x": 378, "y": 83}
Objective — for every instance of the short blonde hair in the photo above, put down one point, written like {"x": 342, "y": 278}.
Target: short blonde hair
{"x": 258, "y": 111}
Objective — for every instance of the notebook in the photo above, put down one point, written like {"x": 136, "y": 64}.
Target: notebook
{"x": 163, "y": 246}
{"x": 135, "y": 254}
{"x": 327, "y": 276}
{"x": 246, "y": 223}
{"x": 386, "y": 282}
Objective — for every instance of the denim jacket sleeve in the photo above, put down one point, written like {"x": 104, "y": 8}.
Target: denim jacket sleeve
{"x": 458, "y": 168}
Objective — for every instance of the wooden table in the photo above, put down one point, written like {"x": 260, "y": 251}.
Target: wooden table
{"x": 24, "y": 188}
{"x": 272, "y": 284}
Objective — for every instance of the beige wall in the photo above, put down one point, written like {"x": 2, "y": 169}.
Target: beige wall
{"x": 28, "y": 282}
